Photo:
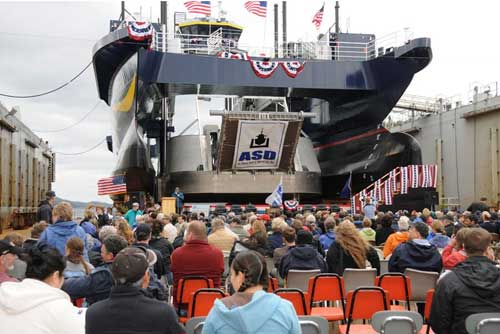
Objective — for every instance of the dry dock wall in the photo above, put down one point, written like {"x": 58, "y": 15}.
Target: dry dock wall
{"x": 26, "y": 171}
{"x": 464, "y": 142}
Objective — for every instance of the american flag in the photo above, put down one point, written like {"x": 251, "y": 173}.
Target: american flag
{"x": 318, "y": 17}
{"x": 111, "y": 185}
{"x": 198, "y": 7}
{"x": 258, "y": 8}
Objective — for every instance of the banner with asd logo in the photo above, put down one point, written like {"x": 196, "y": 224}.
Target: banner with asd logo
{"x": 259, "y": 144}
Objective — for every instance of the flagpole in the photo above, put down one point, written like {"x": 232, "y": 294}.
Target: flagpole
{"x": 265, "y": 27}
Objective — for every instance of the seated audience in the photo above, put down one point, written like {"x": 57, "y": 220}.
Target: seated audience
{"x": 289, "y": 241}
{"x": 36, "y": 232}
{"x": 473, "y": 286}
{"x": 220, "y": 237}
{"x": 63, "y": 229}
{"x": 302, "y": 257}
{"x": 328, "y": 237}
{"x": 197, "y": 257}
{"x": 124, "y": 229}
{"x": 454, "y": 252}
{"x": 19, "y": 269}
{"x": 143, "y": 235}
{"x": 251, "y": 309}
{"x": 97, "y": 285}
{"x": 162, "y": 245}
{"x": 37, "y": 305}
{"x": 488, "y": 224}
{"x": 128, "y": 310}
{"x": 276, "y": 239}
{"x": 385, "y": 229}
{"x": 350, "y": 251}
{"x": 8, "y": 256}
{"x": 440, "y": 239}
{"x": 397, "y": 238}
{"x": 367, "y": 232}
{"x": 169, "y": 230}
{"x": 76, "y": 266}
{"x": 417, "y": 253}
{"x": 86, "y": 224}
{"x": 236, "y": 226}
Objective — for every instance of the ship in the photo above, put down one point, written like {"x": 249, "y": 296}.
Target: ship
{"x": 330, "y": 97}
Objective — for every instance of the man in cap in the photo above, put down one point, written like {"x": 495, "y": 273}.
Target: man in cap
{"x": 8, "y": 255}
{"x": 131, "y": 214}
{"x": 44, "y": 211}
{"x": 142, "y": 238}
{"x": 128, "y": 309}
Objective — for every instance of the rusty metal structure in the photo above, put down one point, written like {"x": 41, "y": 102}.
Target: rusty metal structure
{"x": 27, "y": 170}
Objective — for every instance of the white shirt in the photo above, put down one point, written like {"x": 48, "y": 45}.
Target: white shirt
{"x": 169, "y": 232}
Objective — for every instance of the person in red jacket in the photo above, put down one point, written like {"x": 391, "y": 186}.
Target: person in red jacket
{"x": 454, "y": 252}
{"x": 197, "y": 257}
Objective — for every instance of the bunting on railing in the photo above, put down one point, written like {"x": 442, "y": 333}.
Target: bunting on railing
{"x": 429, "y": 176}
{"x": 378, "y": 190}
{"x": 292, "y": 68}
{"x": 392, "y": 177}
{"x": 414, "y": 176}
{"x": 233, "y": 55}
{"x": 264, "y": 69}
{"x": 388, "y": 192}
{"x": 139, "y": 31}
{"x": 404, "y": 180}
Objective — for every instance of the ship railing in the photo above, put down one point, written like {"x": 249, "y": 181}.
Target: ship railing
{"x": 318, "y": 50}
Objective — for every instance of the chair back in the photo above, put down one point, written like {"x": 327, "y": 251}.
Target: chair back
{"x": 421, "y": 282}
{"x": 483, "y": 323}
{"x": 298, "y": 279}
{"x": 190, "y": 284}
{"x": 203, "y": 300}
{"x": 195, "y": 325}
{"x": 397, "y": 322}
{"x": 354, "y": 278}
{"x": 398, "y": 286}
{"x": 296, "y": 297}
{"x": 313, "y": 325}
{"x": 364, "y": 301}
{"x": 384, "y": 266}
{"x": 273, "y": 284}
{"x": 326, "y": 287}
{"x": 428, "y": 304}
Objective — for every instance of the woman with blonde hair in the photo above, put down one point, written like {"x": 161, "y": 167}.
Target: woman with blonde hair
{"x": 123, "y": 229}
{"x": 76, "y": 266}
{"x": 350, "y": 250}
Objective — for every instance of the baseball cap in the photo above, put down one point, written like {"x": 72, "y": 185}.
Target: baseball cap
{"x": 6, "y": 248}
{"x": 265, "y": 217}
{"x": 130, "y": 265}
{"x": 50, "y": 194}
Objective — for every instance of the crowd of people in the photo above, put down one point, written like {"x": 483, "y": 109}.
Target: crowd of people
{"x": 106, "y": 273}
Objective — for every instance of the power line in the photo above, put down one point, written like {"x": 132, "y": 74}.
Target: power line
{"x": 72, "y": 125}
{"x": 50, "y": 91}
{"x": 83, "y": 152}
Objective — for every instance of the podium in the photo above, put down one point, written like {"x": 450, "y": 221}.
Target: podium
{"x": 168, "y": 205}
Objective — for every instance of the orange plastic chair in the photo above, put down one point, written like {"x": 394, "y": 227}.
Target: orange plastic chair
{"x": 427, "y": 312}
{"x": 327, "y": 288}
{"x": 189, "y": 285}
{"x": 273, "y": 284}
{"x": 362, "y": 303}
{"x": 296, "y": 297}
{"x": 398, "y": 286}
{"x": 202, "y": 301}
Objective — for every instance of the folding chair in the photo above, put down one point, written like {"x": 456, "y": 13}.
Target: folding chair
{"x": 384, "y": 266}
{"x": 296, "y": 297}
{"x": 186, "y": 286}
{"x": 427, "y": 311}
{"x": 421, "y": 282}
{"x": 362, "y": 303}
{"x": 195, "y": 325}
{"x": 354, "y": 278}
{"x": 397, "y": 322}
{"x": 313, "y": 325}
{"x": 298, "y": 279}
{"x": 273, "y": 284}
{"x": 398, "y": 286}
{"x": 327, "y": 288}
{"x": 203, "y": 300}
{"x": 483, "y": 323}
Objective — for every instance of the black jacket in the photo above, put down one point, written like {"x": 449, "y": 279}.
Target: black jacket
{"x": 301, "y": 257}
{"x": 44, "y": 212}
{"x": 473, "y": 286}
{"x": 338, "y": 260}
{"x": 159, "y": 267}
{"x": 478, "y": 206}
{"x": 94, "y": 287}
{"x": 382, "y": 235}
{"x": 415, "y": 256}
{"x": 163, "y": 246}
{"x": 128, "y": 310}
{"x": 103, "y": 220}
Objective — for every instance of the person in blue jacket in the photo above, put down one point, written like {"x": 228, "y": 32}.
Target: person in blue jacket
{"x": 63, "y": 229}
{"x": 251, "y": 309}
{"x": 179, "y": 199}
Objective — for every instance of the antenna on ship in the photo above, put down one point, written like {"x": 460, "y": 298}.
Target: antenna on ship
{"x": 337, "y": 25}
{"x": 276, "y": 25}
{"x": 122, "y": 15}
{"x": 283, "y": 8}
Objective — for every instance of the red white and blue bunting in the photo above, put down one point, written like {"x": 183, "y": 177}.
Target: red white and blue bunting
{"x": 388, "y": 192}
{"x": 404, "y": 180}
{"x": 392, "y": 177}
{"x": 139, "y": 31}
{"x": 292, "y": 68}
{"x": 264, "y": 69}
{"x": 291, "y": 205}
{"x": 233, "y": 55}
{"x": 414, "y": 176}
{"x": 378, "y": 190}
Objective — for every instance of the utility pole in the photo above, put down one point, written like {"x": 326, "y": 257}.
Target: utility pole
{"x": 276, "y": 46}
{"x": 283, "y": 8}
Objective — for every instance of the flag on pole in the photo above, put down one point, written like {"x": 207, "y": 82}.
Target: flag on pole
{"x": 276, "y": 198}
{"x": 258, "y": 8}
{"x": 346, "y": 191}
{"x": 318, "y": 17}
{"x": 198, "y": 7}
{"x": 112, "y": 185}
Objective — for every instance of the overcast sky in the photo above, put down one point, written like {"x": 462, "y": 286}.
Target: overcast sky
{"x": 44, "y": 44}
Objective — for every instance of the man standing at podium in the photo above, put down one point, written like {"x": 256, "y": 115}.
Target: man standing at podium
{"x": 179, "y": 200}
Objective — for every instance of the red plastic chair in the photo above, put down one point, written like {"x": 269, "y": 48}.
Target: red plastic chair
{"x": 202, "y": 301}
{"x": 78, "y": 302}
{"x": 273, "y": 284}
{"x": 188, "y": 285}
{"x": 362, "y": 303}
{"x": 398, "y": 286}
{"x": 427, "y": 312}
{"x": 296, "y": 297}
{"x": 327, "y": 288}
